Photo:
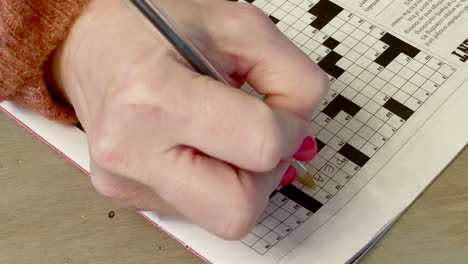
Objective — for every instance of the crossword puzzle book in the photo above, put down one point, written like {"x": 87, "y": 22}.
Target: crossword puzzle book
{"x": 395, "y": 116}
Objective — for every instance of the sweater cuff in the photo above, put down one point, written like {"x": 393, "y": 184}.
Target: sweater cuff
{"x": 30, "y": 31}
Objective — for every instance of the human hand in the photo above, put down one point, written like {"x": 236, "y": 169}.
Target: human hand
{"x": 165, "y": 138}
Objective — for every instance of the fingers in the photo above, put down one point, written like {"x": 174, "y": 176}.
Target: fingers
{"x": 272, "y": 64}
{"x": 223, "y": 200}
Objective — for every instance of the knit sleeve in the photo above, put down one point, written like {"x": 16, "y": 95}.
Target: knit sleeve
{"x": 30, "y": 31}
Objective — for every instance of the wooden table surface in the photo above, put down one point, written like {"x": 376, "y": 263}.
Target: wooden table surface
{"x": 50, "y": 213}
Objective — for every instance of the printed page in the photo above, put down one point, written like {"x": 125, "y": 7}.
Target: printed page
{"x": 394, "y": 118}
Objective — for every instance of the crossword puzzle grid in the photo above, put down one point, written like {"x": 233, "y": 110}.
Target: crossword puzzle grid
{"x": 377, "y": 82}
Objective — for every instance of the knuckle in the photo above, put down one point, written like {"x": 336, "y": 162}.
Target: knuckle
{"x": 107, "y": 152}
{"x": 106, "y": 186}
{"x": 242, "y": 18}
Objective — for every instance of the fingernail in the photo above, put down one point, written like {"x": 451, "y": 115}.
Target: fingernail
{"x": 307, "y": 151}
{"x": 289, "y": 176}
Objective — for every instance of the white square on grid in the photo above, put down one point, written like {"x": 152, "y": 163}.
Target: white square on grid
{"x": 378, "y": 140}
{"x": 372, "y": 54}
{"x": 336, "y": 143}
{"x": 418, "y": 79}
{"x": 352, "y": 55}
{"x": 320, "y": 179}
{"x": 322, "y": 196}
{"x": 378, "y": 83}
{"x": 312, "y": 44}
{"x": 386, "y": 75}
{"x": 380, "y": 98}
{"x": 287, "y": 6}
{"x": 369, "y": 40}
{"x": 279, "y": 14}
{"x": 403, "y": 59}
{"x": 334, "y": 126}
{"x": 280, "y": 214}
{"x": 324, "y": 136}
{"x": 340, "y": 36}
{"x": 327, "y": 153}
{"x": 413, "y": 103}
{"x": 380, "y": 46}
{"x": 358, "y": 84}
{"x": 291, "y": 33}
{"x": 282, "y": 26}
{"x": 272, "y": 238}
{"x": 309, "y": 31}
{"x": 406, "y": 73}
{"x": 290, "y": 206}
{"x": 344, "y": 63}
{"x": 446, "y": 70}
{"x": 299, "y": 25}
{"x": 366, "y": 27}
{"x": 414, "y": 65}
{"x": 355, "y": 70}
{"x": 395, "y": 121}
{"x": 342, "y": 118}
{"x": 332, "y": 187}
{"x": 350, "y": 168}
{"x": 355, "y": 21}
{"x": 361, "y": 100}
{"x": 317, "y": 162}
{"x": 298, "y": 12}
{"x": 383, "y": 114}
{"x": 368, "y": 149}
{"x": 366, "y": 132}
{"x": 303, "y": 214}
{"x": 397, "y": 81}
{"x": 271, "y": 207}
{"x": 328, "y": 169}
{"x": 357, "y": 141}
{"x": 270, "y": 222}
{"x": 354, "y": 125}
{"x": 342, "y": 49}
{"x": 421, "y": 95}
{"x": 261, "y": 246}
{"x": 347, "y": 28}
{"x": 363, "y": 116}
{"x": 375, "y": 68}
{"x": 269, "y": 8}
{"x": 315, "y": 127}
{"x": 301, "y": 38}
{"x": 387, "y": 131}
{"x": 361, "y": 48}
{"x": 389, "y": 90}
{"x": 350, "y": 42}
{"x": 422, "y": 57}
{"x": 401, "y": 96}
{"x": 338, "y": 86}
{"x": 279, "y": 199}
{"x": 322, "y": 50}
{"x": 371, "y": 107}
{"x": 426, "y": 71}
{"x": 366, "y": 76}
{"x": 409, "y": 88}
{"x": 363, "y": 62}
{"x": 329, "y": 29}
{"x": 293, "y": 222}
{"x": 341, "y": 177}
{"x": 337, "y": 22}
{"x": 260, "y": 3}
{"x": 375, "y": 123}
{"x": 322, "y": 119}
{"x": 359, "y": 34}
{"x": 320, "y": 36}
{"x": 339, "y": 160}
{"x": 305, "y": 50}
{"x": 260, "y": 230}
{"x": 250, "y": 239}
{"x": 346, "y": 77}
{"x": 283, "y": 229}
{"x": 349, "y": 93}
{"x": 369, "y": 91}
{"x": 395, "y": 67}
{"x": 345, "y": 134}
{"x": 434, "y": 64}
{"x": 289, "y": 19}
{"x": 345, "y": 15}
{"x": 430, "y": 86}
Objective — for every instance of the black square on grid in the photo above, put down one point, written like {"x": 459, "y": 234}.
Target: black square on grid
{"x": 331, "y": 43}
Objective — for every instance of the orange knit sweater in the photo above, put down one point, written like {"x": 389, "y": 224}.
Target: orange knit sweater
{"x": 30, "y": 31}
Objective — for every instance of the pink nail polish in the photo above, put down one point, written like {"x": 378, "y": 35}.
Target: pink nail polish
{"x": 307, "y": 151}
{"x": 289, "y": 176}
